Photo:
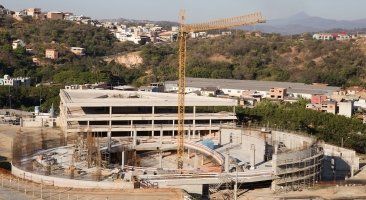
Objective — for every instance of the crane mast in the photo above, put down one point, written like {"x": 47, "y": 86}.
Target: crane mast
{"x": 227, "y": 23}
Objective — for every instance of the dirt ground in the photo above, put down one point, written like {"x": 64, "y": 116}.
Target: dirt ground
{"x": 332, "y": 192}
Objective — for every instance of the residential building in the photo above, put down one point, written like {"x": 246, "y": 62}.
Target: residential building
{"x": 323, "y": 36}
{"x": 345, "y": 108}
{"x": 318, "y": 98}
{"x": 237, "y": 88}
{"x": 153, "y": 87}
{"x": 277, "y": 93}
{"x": 135, "y": 114}
{"x": 15, "y": 82}
{"x": 55, "y": 15}
{"x": 78, "y": 51}
{"x": 34, "y": 12}
{"x": 18, "y": 43}
{"x": 52, "y": 54}
{"x": 326, "y": 106}
{"x": 210, "y": 91}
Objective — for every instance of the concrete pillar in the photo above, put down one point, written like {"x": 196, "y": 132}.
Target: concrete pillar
{"x": 153, "y": 121}
{"x": 88, "y": 125}
{"x": 161, "y": 137}
{"x": 188, "y": 153}
{"x": 196, "y": 161}
{"x": 226, "y": 163}
{"x": 123, "y": 159}
{"x": 161, "y": 159}
{"x": 194, "y": 122}
{"x": 173, "y": 128}
{"x": 199, "y": 135}
{"x": 131, "y": 128}
{"x": 252, "y": 160}
{"x": 134, "y": 137}
{"x": 210, "y": 126}
{"x": 274, "y": 169}
{"x": 109, "y": 136}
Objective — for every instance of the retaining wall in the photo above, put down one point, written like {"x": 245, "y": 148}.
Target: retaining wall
{"x": 69, "y": 183}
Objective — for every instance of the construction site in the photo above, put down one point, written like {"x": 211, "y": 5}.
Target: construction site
{"x": 130, "y": 145}
{"x": 124, "y": 140}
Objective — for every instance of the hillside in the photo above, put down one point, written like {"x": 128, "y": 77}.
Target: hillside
{"x": 273, "y": 57}
{"x": 239, "y": 56}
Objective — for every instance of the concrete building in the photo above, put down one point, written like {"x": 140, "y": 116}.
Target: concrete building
{"x": 318, "y": 99}
{"x": 237, "y": 88}
{"x": 345, "y": 108}
{"x": 34, "y": 12}
{"x": 325, "y": 106}
{"x": 15, "y": 82}
{"x": 51, "y": 54}
{"x": 135, "y": 114}
{"x": 277, "y": 93}
{"x": 54, "y": 15}
{"x": 18, "y": 43}
{"x": 78, "y": 51}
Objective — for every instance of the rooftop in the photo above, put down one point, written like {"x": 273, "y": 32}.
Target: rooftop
{"x": 258, "y": 85}
{"x": 101, "y": 98}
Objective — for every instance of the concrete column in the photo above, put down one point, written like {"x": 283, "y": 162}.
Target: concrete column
{"x": 252, "y": 160}
{"x": 210, "y": 126}
{"x": 226, "y": 162}
{"x": 161, "y": 137}
{"x": 161, "y": 159}
{"x": 131, "y": 128}
{"x": 274, "y": 169}
{"x": 88, "y": 124}
{"x": 153, "y": 121}
{"x": 188, "y": 153}
{"x": 194, "y": 122}
{"x": 123, "y": 160}
{"x": 109, "y": 136}
{"x": 199, "y": 135}
{"x": 196, "y": 161}
{"x": 134, "y": 137}
{"x": 173, "y": 128}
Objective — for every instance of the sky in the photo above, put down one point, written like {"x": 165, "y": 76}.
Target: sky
{"x": 196, "y": 10}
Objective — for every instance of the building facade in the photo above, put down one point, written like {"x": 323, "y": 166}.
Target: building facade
{"x": 15, "y": 82}
{"x": 51, "y": 54}
{"x": 138, "y": 114}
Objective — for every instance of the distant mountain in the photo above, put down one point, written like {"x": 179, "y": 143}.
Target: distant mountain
{"x": 302, "y": 22}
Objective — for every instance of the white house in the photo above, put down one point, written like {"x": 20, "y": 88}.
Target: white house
{"x": 18, "y": 43}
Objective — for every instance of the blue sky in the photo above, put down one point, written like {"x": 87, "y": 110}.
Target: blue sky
{"x": 197, "y": 10}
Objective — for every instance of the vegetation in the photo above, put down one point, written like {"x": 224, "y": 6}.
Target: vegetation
{"x": 328, "y": 127}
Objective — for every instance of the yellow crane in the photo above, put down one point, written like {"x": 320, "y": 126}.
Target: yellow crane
{"x": 185, "y": 29}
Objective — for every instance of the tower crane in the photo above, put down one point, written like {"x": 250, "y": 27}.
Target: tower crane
{"x": 185, "y": 29}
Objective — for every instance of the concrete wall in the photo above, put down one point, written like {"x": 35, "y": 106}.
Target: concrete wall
{"x": 291, "y": 140}
{"x": 245, "y": 139}
{"x": 63, "y": 182}
{"x": 344, "y": 162}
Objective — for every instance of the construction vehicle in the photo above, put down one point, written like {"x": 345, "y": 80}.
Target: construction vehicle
{"x": 185, "y": 29}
